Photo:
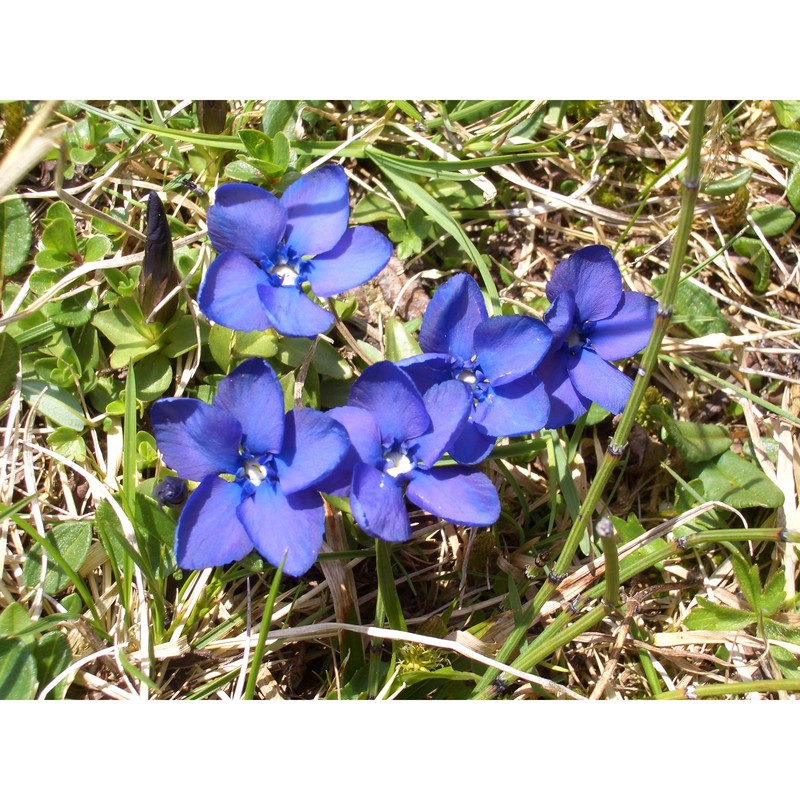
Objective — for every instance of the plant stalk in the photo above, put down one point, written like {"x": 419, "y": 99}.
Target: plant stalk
{"x": 691, "y": 184}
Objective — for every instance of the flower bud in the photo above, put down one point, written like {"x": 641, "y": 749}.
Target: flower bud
{"x": 158, "y": 276}
{"x": 212, "y": 115}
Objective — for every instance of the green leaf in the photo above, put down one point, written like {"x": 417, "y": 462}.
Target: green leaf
{"x": 49, "y": 260}
{"x": 57, "y": 404}
{"x": 399, "y": 343}
{"x": 146, "y": 450}
{"x": 443, "y": 674}
{"x": 695, "y": 441}
{"x": 773, "y": 220}
{"x": 793, "y": 187}
{"x": 151, "y": 519}
{"x": 153, "y": 377}
{"x": 180, "y": 337}
{"x": 243, "y": 171}
{"x": 372, "y": 208}
{"x": 257, "y": 143}
{"x": 408, "y": 243}
{"x": 17, "y": 671}
{"x": 72, "y": 540}
{"x": 117, "y": 328}
{"x": 292, "y": 351}
{"x": 786, "y": 662}
{"x": 97, "y": 247}
{"x": 596, "y": 414}
{"x": 785, "y": 145}
{"x": 711, "y": 617}
{"x": 13, "y": 620}
{"x": 68, "y": 443}
{"x": 786, "y": 111}
{"x": 59, "y": 236}
{"x": 747, "y": 578}
{"x": 271, "y": 154}
{"x": 727, "y": 186}
{"x": 260, "y": 344}
{"x": 9, "y": 364}
{"x": 53, "y": 656}
{"x": 628, "y": 529}
{"x": 75, "y": 311}
{"x": 15, "y": 236}
{"x": 279, "y": 116}
{"x": 220, "y": 344}
{"x": 748, "y": 247}
{"x": 697, "y": 310}
{"x": 774, "y": 594}
{"x": 739, "y": 483}
{"x": 156, "y": 535}
{"x": 784, "y": 633}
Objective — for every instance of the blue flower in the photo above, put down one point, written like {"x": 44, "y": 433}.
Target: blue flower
{"x": 493, "y": 356}
{"x": 269, "y": 249}
{"x": 397, "y": 436}
{"x": 593, "y": 322}
{"x": 272, "y": 461}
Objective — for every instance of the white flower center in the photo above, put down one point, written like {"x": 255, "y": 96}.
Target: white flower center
{"x": 254, "y": 472}
{"x": 288, "y": 276}
{"x": 401, "y": 464}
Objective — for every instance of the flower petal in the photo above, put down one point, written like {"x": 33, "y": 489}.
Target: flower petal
{"x": 291, "y": 313}
{"x": 448, "y": 405}
{"x": 514, "y": 409}
{"x": 593, "y": 276}
{"x": 390, "y": 396}
{"x": 627, "y": 330}
{"x": 471, "y": 446}
{"x": 246, "y": 218}
{"x": 318, "y": 208}
{"x": 358, "y": 257}
{"x": 510, "y": 347}
{"x": 313, "y": 445}
{"x": 566, "y": 404}
{"x": 252, "y": 395}
{"x": 376, "y": 501}
{"x": 449, "y": 322}
{"x": 281, "y": 525}
{"x": 362, "y": 431}
{"x": 209, "y": 533}
{"x": 365, "y": 445}
{"x": 229, "y": 293}
{"x": 599, "y": 381}
{"x": 560, "y": 318}
{"x": 428, "y": 369}
{"x": 456, "y": 494}
{"x": 196, "y": 439}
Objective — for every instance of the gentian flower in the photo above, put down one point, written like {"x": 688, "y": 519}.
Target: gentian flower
{"x": 493, "y": 356}
{"x": 269, "y": 249}
{"x": 593, "y": 322}
{"x": 273, "y": 462}
{"x": 397, "y": 436}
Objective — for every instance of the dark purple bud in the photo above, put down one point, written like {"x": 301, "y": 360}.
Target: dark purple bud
{"x": 170, "y": 492}
{"x": 212, "y": 115}
{"x": 158, "y": 276}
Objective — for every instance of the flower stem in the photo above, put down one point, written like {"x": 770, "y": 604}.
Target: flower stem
{"x": 605, "y": 531}
{"x": 691, "y": 184}
{"x": 266, "y": 619}
{"x": 718, "y": 689}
